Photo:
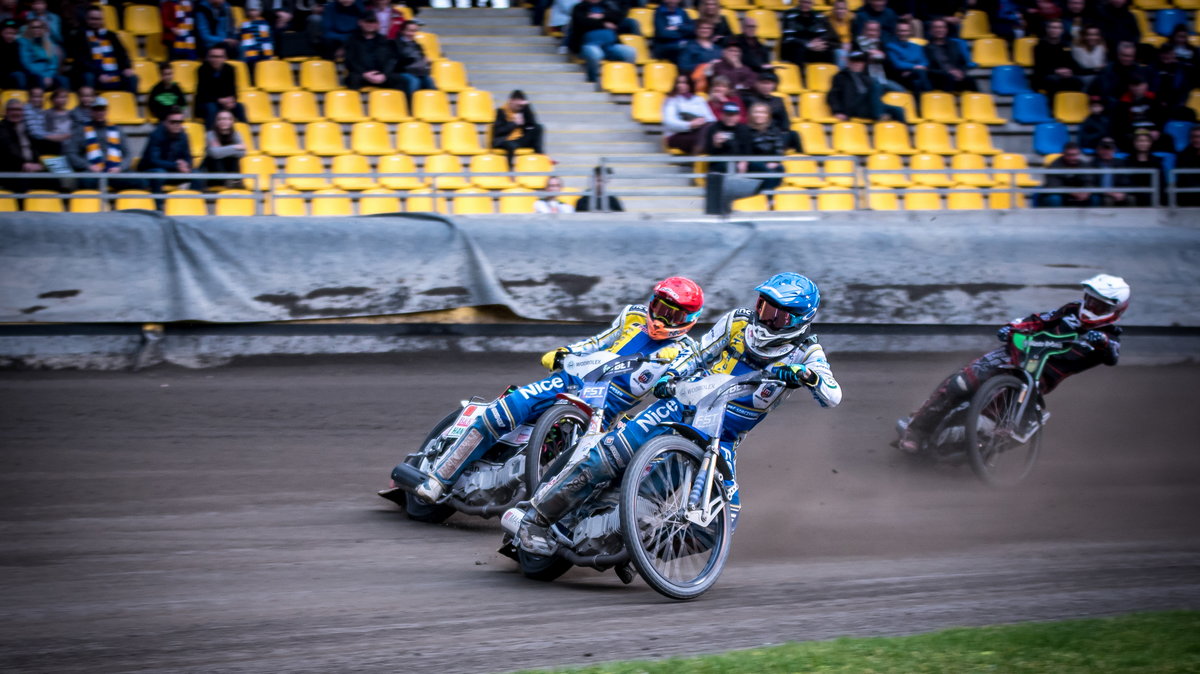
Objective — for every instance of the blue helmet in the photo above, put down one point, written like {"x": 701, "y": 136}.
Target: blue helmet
{"x": 787, "y": 304}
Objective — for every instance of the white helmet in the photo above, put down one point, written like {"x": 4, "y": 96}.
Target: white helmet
{"x": 1105, "y": 298}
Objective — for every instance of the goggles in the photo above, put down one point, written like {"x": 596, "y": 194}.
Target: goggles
{"x": 1097, "y": 306}
{"x": 775, "y": 317}
{"x": 671, "y": 315}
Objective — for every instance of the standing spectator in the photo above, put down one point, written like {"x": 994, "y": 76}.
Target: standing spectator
{"x": 99, "y": 58}
{"x": 1106, "y": 158}
{"x": 854, "y": 93}
{"x": 18, "y": 151}
{"x": 179, "y": 29}
{"x": 755, "y": 54}
{"x": 841, "y": 21}
{"x": 1072, "y": 158}
{"x": 371, "y": 58}
{"x": 1142, "y": 158}
{"x": 214, "y": 23}
{"x": 709, "y": 11}
{"x": 57, "y": 122}
{"x": 37, "y": 11}
{"x": 700, "y": 50}
{"x": 910, "y": 68}
{"x": 391, "y": 21}
{"x": 684, "y": 115}
{"x": 672, "y": 29}
{"x": 412, "y": 66}
{"x": 1137, "y": 109}
{"x": 224, "y": 148}
{"x": 728, "y": 136}
{"x": 1053, "y": 65}
{"x": 1117, "y": 23}
{"x": 1171, "y": 84}
{"x": 256, "y": 39}
{"x": 165, "y": 94}
{"x": 1180, "y": 40}
{"x": 807, "y": 36}
{"x": 338, "y": 22}
{"x": 720, "y": 94}
{"x": 1189, "y": 158}
{"x": 765, "y": 140}
{"x": 551, "y": 203}
{"x": 1090, "y": 54}
{"x": 560, "y": 20}
{"x": 41, "y": 58}
{"x": 949, "y": 60}
{"x": 216, "y": 88}
{"x": 1112, "y": 82}
{"x": 81, "y": 114}
{"x": 875, "y": 10}
{"x": 593, "y": 36}
{"x": 1097, "y": 125}
{"x": 99, "y": 147}
{"x": 516, "y": 126}
{"x": 167, "y": 150}
{"x": 731, "y": 67}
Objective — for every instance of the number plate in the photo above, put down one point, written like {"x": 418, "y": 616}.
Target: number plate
{"x": 464, "y": 420}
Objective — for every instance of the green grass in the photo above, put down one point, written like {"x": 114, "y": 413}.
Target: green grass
{"x": 1166, "y": 642}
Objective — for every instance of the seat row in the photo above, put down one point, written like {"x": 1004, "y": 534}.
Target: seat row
{"x": 400, "y": 172}
{"x": 854, "y": 138}
{"x": 883, "y": 199}
{"x": 922, "y": 170}
{"x": 328, "y": 139}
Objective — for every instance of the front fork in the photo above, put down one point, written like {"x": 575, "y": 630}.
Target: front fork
{"x": 1024, "y": 402}
{"x": 705, "y": 502}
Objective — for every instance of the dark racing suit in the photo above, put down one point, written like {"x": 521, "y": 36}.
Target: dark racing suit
{"x": 960, "y": 386}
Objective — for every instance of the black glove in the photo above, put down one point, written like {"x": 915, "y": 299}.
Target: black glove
{"x": 795, "y": 376}
{"x": 665, "y": 387}
{"x": 1095, "y": 338}
{"x": 1005, "y": 334}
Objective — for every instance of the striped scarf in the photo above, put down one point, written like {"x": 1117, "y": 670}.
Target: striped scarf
{"x": 102, "y": 53}
{"x": 110, "y": 156}
{"x": 256, "y": 40}
{"x": 185, "y": 29}
{"x": 517, "y": 133}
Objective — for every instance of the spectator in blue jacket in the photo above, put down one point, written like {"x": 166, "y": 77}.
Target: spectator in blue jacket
{"x": 876, "y": 10}
{"x": 167, "y": 149}
{"x": 214, "y": 23}
{"x": 699, "y": 50}
{"x": 672, "y": 30}
{"x": 909, "y": 66}
{"x": 40, "y": 57}
{"x": 948, "y": 59}
{"x": 338, "y": 23}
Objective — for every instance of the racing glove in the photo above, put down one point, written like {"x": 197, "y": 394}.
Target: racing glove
{"x": 1005, "y": 334}
{"x": 552, "y": 360}
{"x": 665, "y": 387}
{"x": 1095, "y": 338}
{"x": 793, "y": 376}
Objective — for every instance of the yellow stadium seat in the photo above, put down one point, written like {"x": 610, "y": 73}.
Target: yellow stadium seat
{"x": 517, "y": 200}
{"x": 258, "y": 107}
{"x": 324, "y": 139}
{"x": 1012, "y": 161}
{"x": 378, "y": 200}
{"x": 641, "y": 53}
{"x": 922, "y": 201}
{"x": 789, "y": 78}
{"x": 419, "y": 201}
{"x": 964, "y": 199}
{"x": 147, "y": 74}
{"x": 813, "y": 108}
{"x": 155, "y": 49}
{"x": 461, "y": 138}
{"x": 449, "y": 76}
{"x": 1000, "y": 199}
{"x": 768, "y": 23}
{"x": 970, "y": 162}
{"x": 793, "y": 201}
{"x": 882, "y": 199}
{"x": 319, "y": 76}
{"x": 447, "y": 171}
{"x": 647, "y": 107}
{"x": 1142, "y": 21}
{"x": 904, "y": 100}
{"x": 472, "y": 205}
{"x": 430, "y": 45}
{"x": 185, "y": 75}
{"x": 819, "y": 76}
{"x": 230, "y": 206}
{"x": 975, "y": 25}
{"x": 976, "y": 138}
{"x": 990, "y": 52}
{"x": 81, "y": 205}
{"x": 18, "y": 94}
{"x": 812, "y": 138}
{"x": 735, "y": 24}
{"x": 828, "y": 200}
{"x": 490, "y": 163}
{"x": 238, "y": 14}
{"x": 660, "y": 76}
{"x": 274, "y": 76}
{"x": 262, "y": 166}
{"x": 299, "y": 107}
{"x": 7, "y": 203}
{"x": 399, "y": 163}
{"x": 851, "y": 138}
{"x": 1071, "y": 107}
{"x": 279, "y": 139}
{"x": 185, "y": 202}
{"x": 929, "y": 162}
{"x": 197, "y": 141}
{"x": 289, "y": 203}
{"x": 130, "y": 200}
{"x": 1155, "y": 41}
{"x": 892, "y": 137}
{"x": 933, "y": 137}
{"x": 433, "y": 106}
{"x": 130, "y": 42}
{"x": 332, "y": 203}
{"x": 886, "y": 162}
{"x": 241, "y": 76}
{"x": 352, "y": 163}
{"x": 795, "y": 170}
{"x": 845, "y": 167}
{"x": 416, "y": 138}
{"x": 111, "y": 20}
{"x": 142, "y": 20}
{"x": 980, "y": 108}
{"x": 645, "y": 18}
{"x": 344, "y": 106}
{"x": 243, "y": 130}
{"x": 43, "y": 204}
{"x": 304, "y": 164}
{"x": 122, "y": 108}
{"x": 1193, "y": 101}
{"x": 476, "y": 106}
{"x": 388, "y": 105}
{"x": 1023, "y": 51}
{"x": 737, "y": 5}
{"x": 939, "y": 106}
{"x": 533, "y": 163}
{"x": 618, "y": 77}
{"x": 787, "y": 105}
{"x": 371, "y": 139}
{"x": 754, "y": 204}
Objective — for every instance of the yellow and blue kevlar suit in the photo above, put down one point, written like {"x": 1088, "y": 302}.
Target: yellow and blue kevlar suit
{"x": 722, "y": 351}
{"x": 625, "y": 337}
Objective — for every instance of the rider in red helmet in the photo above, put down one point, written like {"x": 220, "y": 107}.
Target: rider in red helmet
{"x": 658, "y": 329}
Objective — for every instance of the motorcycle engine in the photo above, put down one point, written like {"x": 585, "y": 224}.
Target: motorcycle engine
{"x": 488, "y": 482}
{"x": 598, "y": 532}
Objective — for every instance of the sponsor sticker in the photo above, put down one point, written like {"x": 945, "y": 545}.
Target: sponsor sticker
{"x": 593, "y": 392}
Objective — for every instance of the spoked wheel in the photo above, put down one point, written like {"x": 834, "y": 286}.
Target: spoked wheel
{"x": 419, "y": 510}
{"x": 542, "y": 568}
{"x": 994, "y": 446}
{"x": 678, "y": 558}
{"x": 551, "y": 441}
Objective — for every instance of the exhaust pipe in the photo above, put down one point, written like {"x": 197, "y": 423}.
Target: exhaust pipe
{"x": 407, "y": 478}
{"x": 597, "y": 562}
{"x": 490, "y": 510}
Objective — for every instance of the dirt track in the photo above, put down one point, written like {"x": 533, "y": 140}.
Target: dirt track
{"x": 226, "y": 520}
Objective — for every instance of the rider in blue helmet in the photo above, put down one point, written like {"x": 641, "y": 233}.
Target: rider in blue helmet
{"x": 774, "y": 336}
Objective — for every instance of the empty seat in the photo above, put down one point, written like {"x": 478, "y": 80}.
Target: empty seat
{"x": 768, "y": 23}
{"x": 433, "y": 106}
{"x": 618, "y": 77}
{"x": 933, "y": 137}
{"x": 533, "y": 163}
{"x": 430, "y": 45}
{"x": 980, "y": 108}
{"x": 1009, "y": 80}
{"x": 967, "y": 162}
{"x": 1070, "y": 107}
{"x": 647, "y": 107}
{"x": 324, "y": 139}
{"x": 478, "y": 202}
{"x": 754, "y": 204}
{"x": 274, "y": 76}
{"x": 476, "y": 106}
{"x": 851, "y": 138}
{"x": 378, "y": 200}
{"x": 886, "y": 162}
{"x": 263, "y": 167}
{"x": 388, "y": 105}
{"x": 789, "y": 77}
{"x": 939, "y": 106}
{"x": 50, "y": 203}
{"x": 964, "y": 199}
{"x": 882, "y": 199}
{"x": 399, "y": 163}
{"x": 904, "y": 100}
{"x": 416, "y": 138}
{"x": 302, "y": 164}
{"x": 243, "y": 130}
{"x": 123, "y": 108}
{"x": 840, "y": 172}
{"x": 1050, "y": 137}
{"x": 812, "y": 138}
{"x": 347, "y": 165}
{"x": 645, "y": 19}
{"x": 802, "y": 172}
{"x": 1165, "y": 21}
{"x": 228, "y": 204}
{"x": 331, "y": 203}
{"x": 827, "y": 200}
{"x": 147, "y": 75}
{"x": 517, "y": 200}
{"x": 279, "y": 139}
{"x": 922, "y": 201}
{"x": 974, "y": 137}
{"x": 447, "y": 171}
{"x": 660, "y": 76}
{"x": 892, "y": 137}
{"x": 319, "y": 75}
{"x": 641, "y": 53}
{"x": 929, "y": 162}
{"x": 1000, "y": 199}
{"x": 1023, "y": 51}
{"x": 299, "y": 107}
{"x": 1179, "y": 130}
{"x": 257, "y": 104}
{"x": 793, "y": 201}
{"x": 77, "y": 205}
{"x": 185, "y": 202}
{"x": 449, "y": 75}
{"x": 133, "y": 200}
{"x": 371, "y": 139}
{"x": 990, "y": 52}
{"x": 819, "y": 76}
{"x": 197, "y": 139}
{"x": 142, "y": 20}
{"x": 1013, "y": 161}
{"x": 814, "y": 108}
{"x": 156, "y": 51}
{"x": 975, "y": 25}
{"x": 289, "y": 203}
{"x": 420, "y": 201}
{"x": 1031, "y": 108}
{"x": 241, "y": 76}
{"x": 461, "y": 138}
{"x": 344, "y": 106}
{"x": 490, "y": 163}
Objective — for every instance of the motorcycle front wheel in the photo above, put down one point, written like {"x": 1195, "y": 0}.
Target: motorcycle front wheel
{"x": 550, "y": 443}
{"x": 678, "y": 558}
{"x": 993, "y": 432}
{"x": 417, "y": 509}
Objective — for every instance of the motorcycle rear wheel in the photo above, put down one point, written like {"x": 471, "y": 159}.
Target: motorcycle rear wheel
{"x": 995, "y": 455}
{"x": 417, "y": 509}
{"x": 550, "y": 445}
{"x": 678, "y": 558}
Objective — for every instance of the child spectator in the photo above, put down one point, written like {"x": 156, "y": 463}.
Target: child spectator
{"x": 166, "y": 93}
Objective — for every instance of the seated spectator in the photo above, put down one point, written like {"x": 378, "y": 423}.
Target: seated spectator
{"x": 1090, "y": 54}
{"x": 1142, "y": 158}
{"x": 709, "y": 11}
{"x": 167, "y": 150}
{"x": 1112, "y": 82}
{"x": 224, "y": 148}
{"x": 391, "y": 21}
{"x": 727, "y": 136}
{"x": 35, "y": 121}
{"x": 1006, "y": 19}
{"x": 1072, "y": 158}
{"x": 179, "y": 29}
{"x": 338, "y": 23}
{"x": 854, "y": 93}
{"x": 876, "y": 10}
{"x": 841, "y": 21}
{"x": 949, "y": 60}
{"x": 18, "y": 151}
{"x": 99, "y": 58}
{"x": 295, "y": 31}
{"x": 593, "y": 36}
{"x": 560, "y": 20}
{"x": 1106, "y": 158}
{"x": 764, "y": 93}
{"x": 10, "y": 52}
{"x": 371, "y": 58}
{"x": 610, "y": 203}
{"x": 1189, "y": 158}
{"x": 58, "y": 124}
{"x": 1038, "y": 14}
{"x": 81, "y": 114}
{"x": 216, "y": 88}
{"x": 1171, "y": 84}
{"x": 550, "y": 203}
{"x": 925, "y": 11}
{"x": 765, "y": 139}
{"x": 1117, "y": 23}
{"x": 870, "y": 42}
{"x": 99, "y": 147}
{"x": 807, "y": 36}
{"x": 672, "y": 29}
{"x": 413, "y": 66}
{"x": 165, "y": 94}
{"x": 516, "y": 126}
{"x": 38, "y": 11}
{"x": 257, "y": 42}
{"x": 909, "y": 67}
{"x": 1097, "y": 125}
{"x": 1137, "y": 109}
{"x": 684, "y": 116}
{"x": 41, "y": 59}
{"x": 1053, "y": 65}
{"x": 1180, "y": 41}
{"x": 699, "y": 51}
{"x": 214, "y": 25}
{"x": 731, "y": 67}
{"x": 1077, "y": 16}
{"x": 755, "y": 54}
{"x": 721, "y": 93}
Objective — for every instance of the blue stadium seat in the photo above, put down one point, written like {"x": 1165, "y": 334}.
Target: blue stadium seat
{"x": 1179, "y": 131}
{"x": 1165, "y": 20}
{"x": 1031, "y": 108}
{"x": 1009, "y": 80}
{"x": 1050, "y": 137}
{"x": 1168, "y": 162}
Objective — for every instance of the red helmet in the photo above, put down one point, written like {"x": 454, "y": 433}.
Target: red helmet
{"x": 674, "y": 307}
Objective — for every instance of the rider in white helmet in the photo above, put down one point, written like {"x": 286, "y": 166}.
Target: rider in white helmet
{"x": 1105, "y": 299}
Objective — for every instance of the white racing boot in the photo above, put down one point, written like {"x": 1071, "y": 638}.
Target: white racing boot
{"x": 529, "y": 530}
{"x": 430, "y": 490}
